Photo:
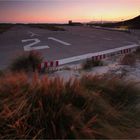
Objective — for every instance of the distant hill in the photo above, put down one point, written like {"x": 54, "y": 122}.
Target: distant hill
{"x": 131, "y": 24}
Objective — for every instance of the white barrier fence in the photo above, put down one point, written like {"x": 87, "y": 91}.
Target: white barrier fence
{"x": 95, "y": 56}
{"x": 100, "y": 55}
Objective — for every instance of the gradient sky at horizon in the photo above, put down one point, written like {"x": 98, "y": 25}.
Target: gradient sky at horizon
{"x": 61, "y": 11}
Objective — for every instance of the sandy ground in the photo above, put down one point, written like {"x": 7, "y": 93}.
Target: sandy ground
{"x": 111, "y": 66}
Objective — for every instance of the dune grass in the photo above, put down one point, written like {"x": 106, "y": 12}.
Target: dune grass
{"x": 27, "y": 62}
{"x": 129, "y": 59}
{"x": 138, "y": 53}
{"x": 90, "y": 63}
{"x": 92, "y": 107}
{"x": 1, "y": 73}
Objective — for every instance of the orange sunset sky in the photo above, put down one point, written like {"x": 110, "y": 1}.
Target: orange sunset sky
{"x": 60, "y": 11}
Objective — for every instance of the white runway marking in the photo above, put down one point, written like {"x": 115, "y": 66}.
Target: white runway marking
{"x": 35, "y": 41}
{"x": 32, "y": 34}
{"x": 40, "y": 47}
{"x": 128, "y": 42}
{"x": 60, "y": 41}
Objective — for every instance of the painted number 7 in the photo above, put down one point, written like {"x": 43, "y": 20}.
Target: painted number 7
{"x": 34, "y": 41}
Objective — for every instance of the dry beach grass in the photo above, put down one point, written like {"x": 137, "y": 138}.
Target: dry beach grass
{"x": 92, "y": 107}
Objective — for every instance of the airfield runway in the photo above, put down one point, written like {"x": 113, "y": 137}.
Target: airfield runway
{"x": 56, "y": 45}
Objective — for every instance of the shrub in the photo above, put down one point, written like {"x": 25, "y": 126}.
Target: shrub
{"x": 27, "y": 62}
{"x": 138, "y": 52}
{"x": 49, "y": 108}
{"x": 129, "y": 59}
{"x": 97, "y": 63}
{"x": 1, "y": 73}
{"x": 89, "y": 63}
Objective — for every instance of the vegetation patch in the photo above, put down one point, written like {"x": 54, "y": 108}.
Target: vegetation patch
{"x": 129, "y": 59}
{"x": 89, "y": 63}
{"x": 138, "y": 52}
{"x": 1, "y": 73}
{"x": 27, "y": 62}
{"x": 96, "y": 107}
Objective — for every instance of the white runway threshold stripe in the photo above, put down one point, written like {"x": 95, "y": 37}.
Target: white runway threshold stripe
{"x": 60, "y": 41}
{"x": 90, "y": 55}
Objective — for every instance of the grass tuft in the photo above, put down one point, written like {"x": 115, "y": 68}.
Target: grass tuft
{"x": 138, "y": 52}
{"x": 27, "y": 62}
{"x": 89, "y": 63}
{"x": 129, "y": 59}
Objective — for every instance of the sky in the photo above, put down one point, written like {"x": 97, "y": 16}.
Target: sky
{"x": 60, "y": 11}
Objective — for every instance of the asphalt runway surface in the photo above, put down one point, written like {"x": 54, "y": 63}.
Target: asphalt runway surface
{"x": 56, "y": 45}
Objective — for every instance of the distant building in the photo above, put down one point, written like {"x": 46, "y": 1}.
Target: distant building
{"x": 70, "y": 22}
{"x": 74, "y": 23}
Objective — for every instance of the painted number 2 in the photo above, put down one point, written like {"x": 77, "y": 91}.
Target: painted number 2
{"x": 34, "y": 41}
